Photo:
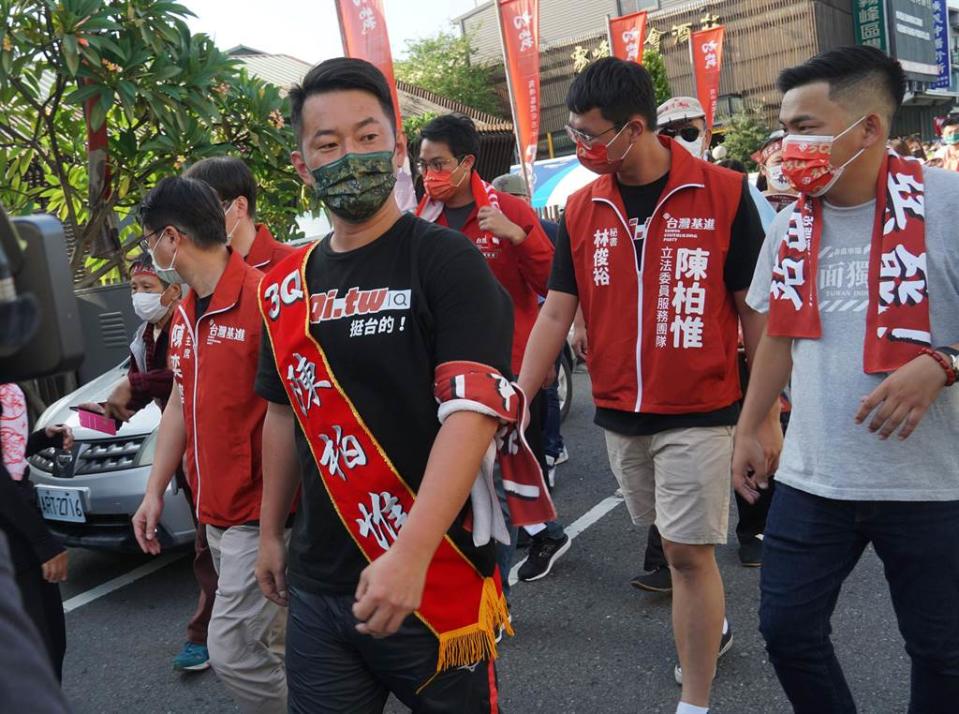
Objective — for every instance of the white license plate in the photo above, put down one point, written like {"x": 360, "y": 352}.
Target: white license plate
{"x": 61, "y": 504}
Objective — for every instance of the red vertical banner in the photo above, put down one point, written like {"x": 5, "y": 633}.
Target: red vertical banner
{"x": 707, "y": 50}
{"x": 627, "y": 35}
{"x": 519, "y": 30}
{"x": 363, "y": 28}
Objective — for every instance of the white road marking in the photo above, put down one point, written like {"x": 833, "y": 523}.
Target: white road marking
{"x": 85, "y": 598}
{"x": 590, "y": 518}
{"x": 586, "y": 520}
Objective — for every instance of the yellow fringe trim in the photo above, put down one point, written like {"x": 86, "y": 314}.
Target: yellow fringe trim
{"x": 475, "y": 643}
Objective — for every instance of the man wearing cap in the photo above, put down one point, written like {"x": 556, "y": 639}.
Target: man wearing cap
{"x": 769, "y": 158}
{"x": 683, "y": 120}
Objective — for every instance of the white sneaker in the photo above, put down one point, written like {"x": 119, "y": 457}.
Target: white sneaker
{"x": 563, "y": 457}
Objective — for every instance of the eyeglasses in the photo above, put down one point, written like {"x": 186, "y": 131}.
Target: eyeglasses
{"x": 686, "y": 133}
{"x": 144, "y": 241}
{"x": 587, "y": 140}
{"x": 435, "y": 164}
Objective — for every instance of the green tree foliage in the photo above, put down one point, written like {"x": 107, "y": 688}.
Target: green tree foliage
{"x": 413, "y": 124}
{"x": 745, "y": 132}
{"x": 656, "y": 66}
{"x": 167, "y": 98}
{"x": 442, "y": 65}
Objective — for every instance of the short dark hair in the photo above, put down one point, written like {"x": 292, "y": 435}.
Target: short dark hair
{"x": 619, "y": 89}
{"x": 230, "y": 178}
{"x": 340, "y": 74}
{"x": 849, "y": 70}
{"x": 456, "y": 131}
{"x": 188, "y": 204}
{"x": 145, "y": 263}
{"x": 951, "y": 120}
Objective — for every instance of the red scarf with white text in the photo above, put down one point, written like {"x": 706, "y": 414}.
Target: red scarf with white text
{"x": 897, "y": 318}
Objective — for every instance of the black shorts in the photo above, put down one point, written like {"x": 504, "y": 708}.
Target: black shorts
{"x": 330, "y": 667}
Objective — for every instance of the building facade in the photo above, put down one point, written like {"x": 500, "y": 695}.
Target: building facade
{"x": 762, "y": 37}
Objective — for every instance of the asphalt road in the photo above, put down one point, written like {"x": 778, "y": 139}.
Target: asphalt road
{"x": 586, "y": 641}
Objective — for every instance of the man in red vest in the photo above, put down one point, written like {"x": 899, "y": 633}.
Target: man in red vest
{"x": 659, "y": 251}
{"x": 215, "y": 420}
{"x": 234, "y": 183}
{"x": 509, "y": 235}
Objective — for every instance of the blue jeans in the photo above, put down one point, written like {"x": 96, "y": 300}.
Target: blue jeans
{"x": 811, "y": 545}
{"x": 552, "y": 438}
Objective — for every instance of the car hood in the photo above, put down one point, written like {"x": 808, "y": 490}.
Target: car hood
{"x": 142, "y": 423}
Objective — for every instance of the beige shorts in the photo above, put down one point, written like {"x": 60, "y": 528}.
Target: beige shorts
{"x": 682, "y": 476}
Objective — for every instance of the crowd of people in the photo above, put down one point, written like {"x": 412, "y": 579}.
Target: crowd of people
{"x": 367, "y": 427}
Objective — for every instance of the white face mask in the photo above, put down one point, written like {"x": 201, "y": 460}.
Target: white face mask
{"x": 775, "y": 179}
{"x": 168, "y": 274}
{"x": 226, "y": 213}
{"x": 693, "y": 147}
{"x": 148, "y": 307}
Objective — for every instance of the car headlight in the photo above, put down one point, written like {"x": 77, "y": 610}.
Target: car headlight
{"x": 147, "y": 450}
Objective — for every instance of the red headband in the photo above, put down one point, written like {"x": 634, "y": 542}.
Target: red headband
{"x": 763, "y": 154}
{"x": 143, "y": 269}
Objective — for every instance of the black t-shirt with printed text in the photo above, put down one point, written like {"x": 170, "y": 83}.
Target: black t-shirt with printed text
{"x": 746, "y": 241}
{"x": 444, "y": 305}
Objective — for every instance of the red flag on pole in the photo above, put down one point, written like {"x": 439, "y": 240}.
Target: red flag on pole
{"x": 519, "y": 32}
{"x": 627, "y": 35}
{"x": 363, "y": 29}
{"x": 706, "y": 47}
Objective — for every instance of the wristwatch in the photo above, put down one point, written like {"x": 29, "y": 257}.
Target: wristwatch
{"x": 952, "y": 355}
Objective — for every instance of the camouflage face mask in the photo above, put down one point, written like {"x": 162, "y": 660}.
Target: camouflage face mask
{"x": 356, "y": 186}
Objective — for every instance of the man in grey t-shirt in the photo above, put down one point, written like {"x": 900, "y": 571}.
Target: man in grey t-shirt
{"x": 843, "y": 482}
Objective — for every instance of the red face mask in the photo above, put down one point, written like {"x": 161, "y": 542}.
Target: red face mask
{"x": 440, "y": 185}
{"x": 807, "y": 162}
{"x": 596, "y": 158}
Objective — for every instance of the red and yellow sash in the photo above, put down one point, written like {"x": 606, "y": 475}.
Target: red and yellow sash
{"x": 460, "y": 606}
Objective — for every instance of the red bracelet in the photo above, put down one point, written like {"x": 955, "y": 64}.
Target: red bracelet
{"x": 944, "y": 363}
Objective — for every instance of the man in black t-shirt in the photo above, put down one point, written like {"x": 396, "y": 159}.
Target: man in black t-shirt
{"x": 391, "y": 298}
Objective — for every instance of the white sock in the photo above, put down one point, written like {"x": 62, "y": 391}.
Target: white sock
{"x": 533, "y": 530}
{"x": 685, "y": 708}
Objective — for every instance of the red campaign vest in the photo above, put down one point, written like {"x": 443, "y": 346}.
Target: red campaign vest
{"x": 461, "y": 607}
{"x": 662, "y": 338}
{"x": 214, "y": 364}
{"x": 266, "y": 251}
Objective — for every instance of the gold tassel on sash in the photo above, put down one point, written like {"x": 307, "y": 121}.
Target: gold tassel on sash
{"x": 476, "y": 643}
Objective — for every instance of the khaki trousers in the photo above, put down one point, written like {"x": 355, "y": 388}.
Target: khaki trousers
{"x": 247, "y": 632}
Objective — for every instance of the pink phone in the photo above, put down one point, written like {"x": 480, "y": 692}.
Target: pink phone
{"x": 97, "y": 422}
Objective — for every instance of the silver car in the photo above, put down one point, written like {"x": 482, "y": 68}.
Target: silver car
{"x": 89, "y": 494}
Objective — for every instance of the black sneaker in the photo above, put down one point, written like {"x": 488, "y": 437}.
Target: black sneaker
{"x": 725, "y": 644}
{"x": 523, "y": 539}
{"x": 657, "y": 581}
{"x": 543, "y": 552}
{"x": 751, "y": 553}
